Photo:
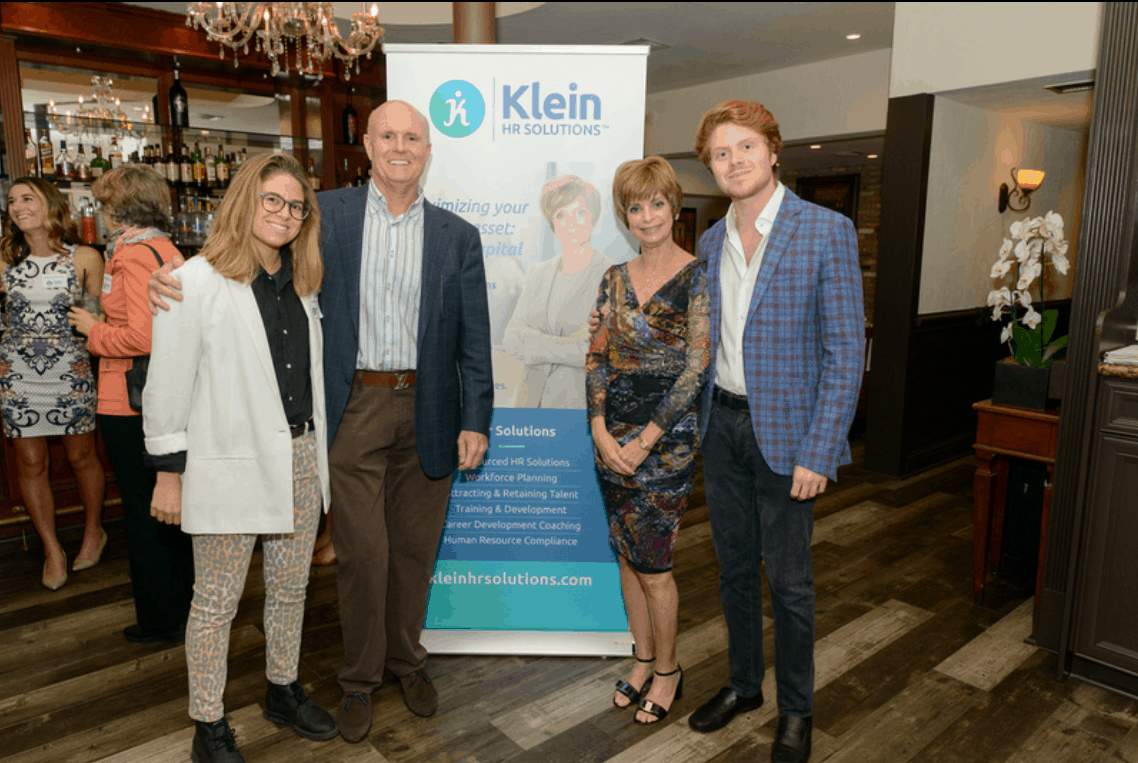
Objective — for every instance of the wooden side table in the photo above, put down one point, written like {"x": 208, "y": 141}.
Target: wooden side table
{"x": 1002, "y": 432}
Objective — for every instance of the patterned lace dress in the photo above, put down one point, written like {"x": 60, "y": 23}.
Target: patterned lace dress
{"x": 649, "y": 363}
{"x": 46, "y": 384}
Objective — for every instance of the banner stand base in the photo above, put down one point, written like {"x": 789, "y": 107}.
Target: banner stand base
{"x": 582, "y": 644}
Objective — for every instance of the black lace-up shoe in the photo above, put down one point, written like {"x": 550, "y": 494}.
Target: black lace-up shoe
{"x": 290, "y": 706}
{"x": 214, "y": 743}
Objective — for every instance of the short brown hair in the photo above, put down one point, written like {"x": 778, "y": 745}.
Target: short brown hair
{"x": 228, "y": 247}
{"x": 61, "y": 229}
{"x": 561, "y": 191}
{"x": 135, "y": 195}
{"x": 641, "y": 180}
{"x": 750, "y": 114}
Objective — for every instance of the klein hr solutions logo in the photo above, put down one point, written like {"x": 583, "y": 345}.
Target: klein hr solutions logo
{"x": 457, "y": 108}
{"x": 526, "y": 111}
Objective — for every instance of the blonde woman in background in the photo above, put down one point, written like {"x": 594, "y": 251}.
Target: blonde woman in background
{"x": 46, "y": 384}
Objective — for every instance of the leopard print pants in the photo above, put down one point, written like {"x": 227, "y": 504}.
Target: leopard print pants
{"x": 221, "y": 563}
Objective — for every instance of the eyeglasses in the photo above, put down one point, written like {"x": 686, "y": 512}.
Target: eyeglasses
{"x": 273, "y": 204}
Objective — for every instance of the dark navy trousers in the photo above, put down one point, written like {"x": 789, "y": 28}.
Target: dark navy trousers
{"x": 754, "y": 519}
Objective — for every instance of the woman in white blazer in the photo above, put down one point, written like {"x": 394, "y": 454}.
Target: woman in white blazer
{"x": 234, "y": 420}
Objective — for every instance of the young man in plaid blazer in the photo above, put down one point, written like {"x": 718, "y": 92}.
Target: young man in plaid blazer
{"x": 788, "y": 337}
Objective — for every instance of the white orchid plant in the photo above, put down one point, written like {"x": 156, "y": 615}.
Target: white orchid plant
{"x": 1029, "y": 336}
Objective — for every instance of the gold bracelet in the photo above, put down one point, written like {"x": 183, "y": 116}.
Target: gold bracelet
{"x": 643, "y": 445}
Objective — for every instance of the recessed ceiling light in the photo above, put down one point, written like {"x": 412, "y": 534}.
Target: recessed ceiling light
{"x": 871, "y": 156}
{"x": 853, "y": 36}
{"x": 816, "y": 145}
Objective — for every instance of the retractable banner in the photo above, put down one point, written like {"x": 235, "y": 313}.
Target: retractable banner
{"x": 524, "y": 145}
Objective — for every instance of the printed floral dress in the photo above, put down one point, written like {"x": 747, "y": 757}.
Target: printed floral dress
{"x": 649, "y": 363}
{"x": 46, "y": 384}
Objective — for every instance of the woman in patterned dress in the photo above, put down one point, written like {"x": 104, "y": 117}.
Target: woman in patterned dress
{"x": 46, "y": 384}
{"x": 646, "y": 366}
{"x": 234, "y": 418}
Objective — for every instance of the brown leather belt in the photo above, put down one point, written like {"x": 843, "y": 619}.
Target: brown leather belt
{"x": 393, "y": 379}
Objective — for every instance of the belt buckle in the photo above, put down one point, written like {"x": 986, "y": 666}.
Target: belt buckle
{"x": 401, "y": 379}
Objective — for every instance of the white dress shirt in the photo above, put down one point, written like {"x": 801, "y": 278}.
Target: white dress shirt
{"x": 736, "y": 286}
{"x": 390, "y": 285}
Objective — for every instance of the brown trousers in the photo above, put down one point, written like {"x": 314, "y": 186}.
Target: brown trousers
{"x": 389, "y": 519}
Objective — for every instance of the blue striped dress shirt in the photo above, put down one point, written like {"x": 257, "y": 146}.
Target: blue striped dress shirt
{"x": 390, "y": 283}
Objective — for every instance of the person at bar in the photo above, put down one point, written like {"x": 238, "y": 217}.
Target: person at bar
{"x": 136, "y": 208}
{"x": 46, "y": 385}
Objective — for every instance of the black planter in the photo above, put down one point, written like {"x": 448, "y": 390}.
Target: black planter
{"x": 1025, "y": 386}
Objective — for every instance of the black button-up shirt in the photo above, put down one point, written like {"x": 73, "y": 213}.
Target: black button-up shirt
{"x": 286, "y": 328}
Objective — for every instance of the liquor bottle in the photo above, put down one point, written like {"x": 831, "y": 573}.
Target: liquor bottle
{"x": 82, "y": 168}
{"x": 345, "y": 178}
{"x": 87, "y": 223}
{"x": 359, "y": 177}
{"x": 185, "y": 169}
{"x": 199, "y": 167}
{"x": 172, "y": 172}
{"x": 313, "y": 177}
{"x": 64, "y": 165}
{"x": 210, "y": 168}
{"x": 47, "y": 159}
{"x": 31, "y": 154}
{"x": 222, "y": 168}
{"x": 179, "y": 103}
{"x": 115, "y": 153}
{"x": 98, "y": 164}
{"x": 351, "y": 124}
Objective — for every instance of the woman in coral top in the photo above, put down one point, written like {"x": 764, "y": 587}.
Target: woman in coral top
{"x": 136, "y": 206}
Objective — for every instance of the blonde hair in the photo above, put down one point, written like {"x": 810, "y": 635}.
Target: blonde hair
{"x": 135, "y": 196}
{"x": 61, "y": 229}
{"x": 641, "y": 180}
{"x": 229, "y": 248}
{"x": 561, "y": 191}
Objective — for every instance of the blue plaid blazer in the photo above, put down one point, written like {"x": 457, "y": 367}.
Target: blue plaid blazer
{"x": 804, "y": 340}
{"x": 454, "y": 387}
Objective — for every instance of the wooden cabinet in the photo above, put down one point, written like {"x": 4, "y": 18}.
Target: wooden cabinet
{"x": 1106, "y": 622}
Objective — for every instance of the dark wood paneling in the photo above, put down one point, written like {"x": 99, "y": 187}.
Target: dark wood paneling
{"x": 11, "y": 108}
{"x": 1105, "y": 258}
{"x": 908, "y": 135}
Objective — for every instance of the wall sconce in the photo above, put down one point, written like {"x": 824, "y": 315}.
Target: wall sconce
{"x": 1024, "y": 182}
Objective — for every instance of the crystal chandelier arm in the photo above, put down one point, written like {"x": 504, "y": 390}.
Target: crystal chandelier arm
{"x": 231, "y": 24}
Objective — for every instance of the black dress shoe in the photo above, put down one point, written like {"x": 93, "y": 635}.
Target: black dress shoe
{"x": 214, "y": 743}
{"x": 792, "y": 742}
{"x": 290, "y": 706}
{"x": 718, "y": 711}
{"x": 140, "y": 635}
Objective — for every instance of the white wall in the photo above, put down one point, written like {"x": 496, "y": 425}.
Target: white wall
{"x": 842, "y": 96}
{"x": 973, "y": 152}
{"x": 948, "y": 46}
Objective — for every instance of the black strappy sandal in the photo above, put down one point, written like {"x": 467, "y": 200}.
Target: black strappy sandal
{"x": 633, "y": 694}
{"x": 651, "y": 708}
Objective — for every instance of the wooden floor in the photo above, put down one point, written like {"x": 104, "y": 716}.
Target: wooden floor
{"x": 908, "y": 669}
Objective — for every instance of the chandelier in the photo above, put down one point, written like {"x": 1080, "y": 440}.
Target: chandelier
{"x": 101, "y": 114}
{"x": 308, "y": 28}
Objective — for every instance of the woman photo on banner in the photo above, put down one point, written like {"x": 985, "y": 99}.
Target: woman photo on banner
{"x": 646, "y": 366}
{"x": 235, "y": 424}
{"x": 549, "y": 328}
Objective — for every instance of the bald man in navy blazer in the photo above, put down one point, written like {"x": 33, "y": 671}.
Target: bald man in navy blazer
{"x": 409, "y": 395}
{"x": 787, "y": 328}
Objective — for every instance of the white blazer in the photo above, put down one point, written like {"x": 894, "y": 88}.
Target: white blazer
{"x": 211, "y": 391}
